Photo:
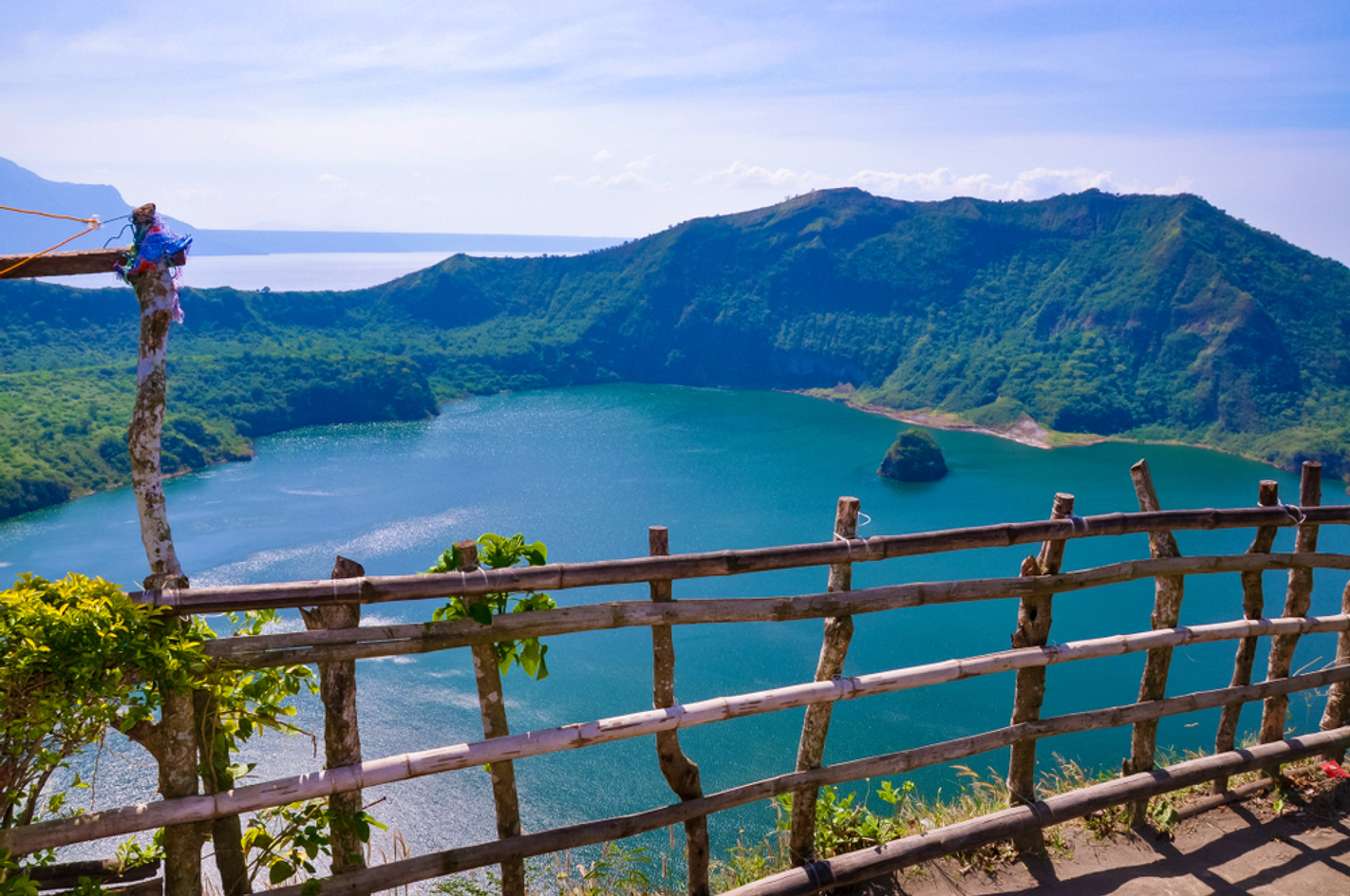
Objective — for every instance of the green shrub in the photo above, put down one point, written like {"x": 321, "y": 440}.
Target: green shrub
{"x": 75, "y": 636}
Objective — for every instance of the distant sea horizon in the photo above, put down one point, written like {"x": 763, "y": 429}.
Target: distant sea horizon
{"x": 298, "y": 271}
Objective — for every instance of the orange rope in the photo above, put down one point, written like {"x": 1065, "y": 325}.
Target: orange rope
{"x": 92, "y": 225}
{"x": 29, "y": 211}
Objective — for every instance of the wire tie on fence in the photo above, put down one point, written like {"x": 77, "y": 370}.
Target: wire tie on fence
{"x": 866, "y": 519}
{"x": 1077, "y": 523}
{"x": 819, "y": 873}
{"x": 1295, "y": 513}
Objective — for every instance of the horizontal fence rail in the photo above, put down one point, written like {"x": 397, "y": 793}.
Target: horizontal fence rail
{"x": 421, "y": 637}
{"x": 640, "y": 570}
{"x": 467, "y": 858}
{"x": 130, "y": 819}
{"x": 867, "y": 864}
{"x": 335, "y": 638}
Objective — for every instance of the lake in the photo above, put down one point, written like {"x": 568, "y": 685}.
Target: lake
{"x": 587, "y": 470}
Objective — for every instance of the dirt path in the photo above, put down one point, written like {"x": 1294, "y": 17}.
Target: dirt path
{"x": 1230, "y": 850}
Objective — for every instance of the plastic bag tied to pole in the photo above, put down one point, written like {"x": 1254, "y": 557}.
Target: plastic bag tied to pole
{"x": 154, "y": 246}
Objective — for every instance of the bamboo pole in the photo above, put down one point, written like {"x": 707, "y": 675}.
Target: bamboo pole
{"x": 1167, "y": 595}
{"x": 370, "y": 773}
{"x": 588, "y": 833}
{"x": 680, "y": 772}
{"x": 829, "y": 665}
{"x": 492, "y": 704}
{"x": 639, "y": 570}
{"x": 867, "y": 864}
{"x": 1253, "y": 605}
{"x": 392, "y": 640}
{"x": 341, "y": 725}
{"x": 1337, "y": 712}
{"x": 1297, "y": 599}
{"x": 1033, "y": 630}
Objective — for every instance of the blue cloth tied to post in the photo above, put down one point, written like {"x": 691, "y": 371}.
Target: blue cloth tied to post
{"x": 153, "y": 245}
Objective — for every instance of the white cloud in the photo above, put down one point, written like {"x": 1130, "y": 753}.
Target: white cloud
{"x": 939, "y": 183}
{"x": 741, "y": 174}
{"x": 633, "y": 176}
{"x": 602, "y": 155}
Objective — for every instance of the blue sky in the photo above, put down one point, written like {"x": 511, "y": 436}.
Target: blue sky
{"x": 619, "y": 118}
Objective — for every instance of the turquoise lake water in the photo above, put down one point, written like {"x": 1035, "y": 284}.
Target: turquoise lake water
{"x": 587, "y": 470}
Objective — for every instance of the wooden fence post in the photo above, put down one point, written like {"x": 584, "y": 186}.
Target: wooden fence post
{"x": 1253, "y": 605}
{"x": 1167, "y": 593}
{"x": 341, "y": 729}
{"x": 680, "y": 772}
{"x": 178, "y": 777}
{"x": 1337, "y": 713}
{"x": 158, "y": 299}
{"x": 492, "y": 704}
{"x": 176, "y": 731}
{"x": 1297, "y": 597}
{"x": 1033, "y": 630}
{"x": 833, "y": 647}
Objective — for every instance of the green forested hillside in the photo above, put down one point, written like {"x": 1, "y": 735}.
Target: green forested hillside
{"x": 1155, "y": 317}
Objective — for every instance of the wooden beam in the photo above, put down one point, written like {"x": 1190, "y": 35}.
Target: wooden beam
{"x": 640, "y": 570}
{"x": 680, "y": 772}
{"x": 66, "y": 264}
{"x": 1253, "y": 606}
{"x": 465, "y": 858}
{"x": 453, "y": 757}
{"x": 829, "y": 665}
{"x": 1033, "y": 630}
{"x": 421, "y": 637}
{"x": 1167, "y": 593}
{"x": 868, "y": 864}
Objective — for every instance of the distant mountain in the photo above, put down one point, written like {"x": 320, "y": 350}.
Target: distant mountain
{"x": 25, "y": 233}
{"x": 1144, "y": 317}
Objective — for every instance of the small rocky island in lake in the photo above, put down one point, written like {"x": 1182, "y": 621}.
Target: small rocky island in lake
{"x": 914, "y": 456}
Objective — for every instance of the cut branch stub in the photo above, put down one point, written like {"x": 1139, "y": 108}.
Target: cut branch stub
{"x": 680, "y": 772}
{"x": 1253, "y": 605}
{"x": 1297, "y": 598}
{"x": 341, "y": 728}
{"x": 816, "y": 724}
{"x": 1167, "y": 593}
{"x": 1033, "y": 630}
{"x": 492, "y": 707}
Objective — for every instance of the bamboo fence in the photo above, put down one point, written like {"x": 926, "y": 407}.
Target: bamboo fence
{"x": 334, "y": 639}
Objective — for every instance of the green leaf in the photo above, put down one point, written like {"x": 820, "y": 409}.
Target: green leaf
{"x": 280, "y": 872}
{"x": 481, "y": 613}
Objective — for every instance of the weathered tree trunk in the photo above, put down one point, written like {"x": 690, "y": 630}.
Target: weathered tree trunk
{"x": 176, "y": 736}
{"x": 341, "y": 731}
{"x": 226, "y": 833}
{"x": 1337, "y": 713}
{"x": 1167, "y": 592}
{"x": 1033, "y": 630}
{"x": 492, "y": 704}
{"x": 680, "y": 772}
{"x": 158, "y": 298}
{"x": 1253, "y": 605}
{"x": 816, "y": 724}
{"x": 1297, "y": 598}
